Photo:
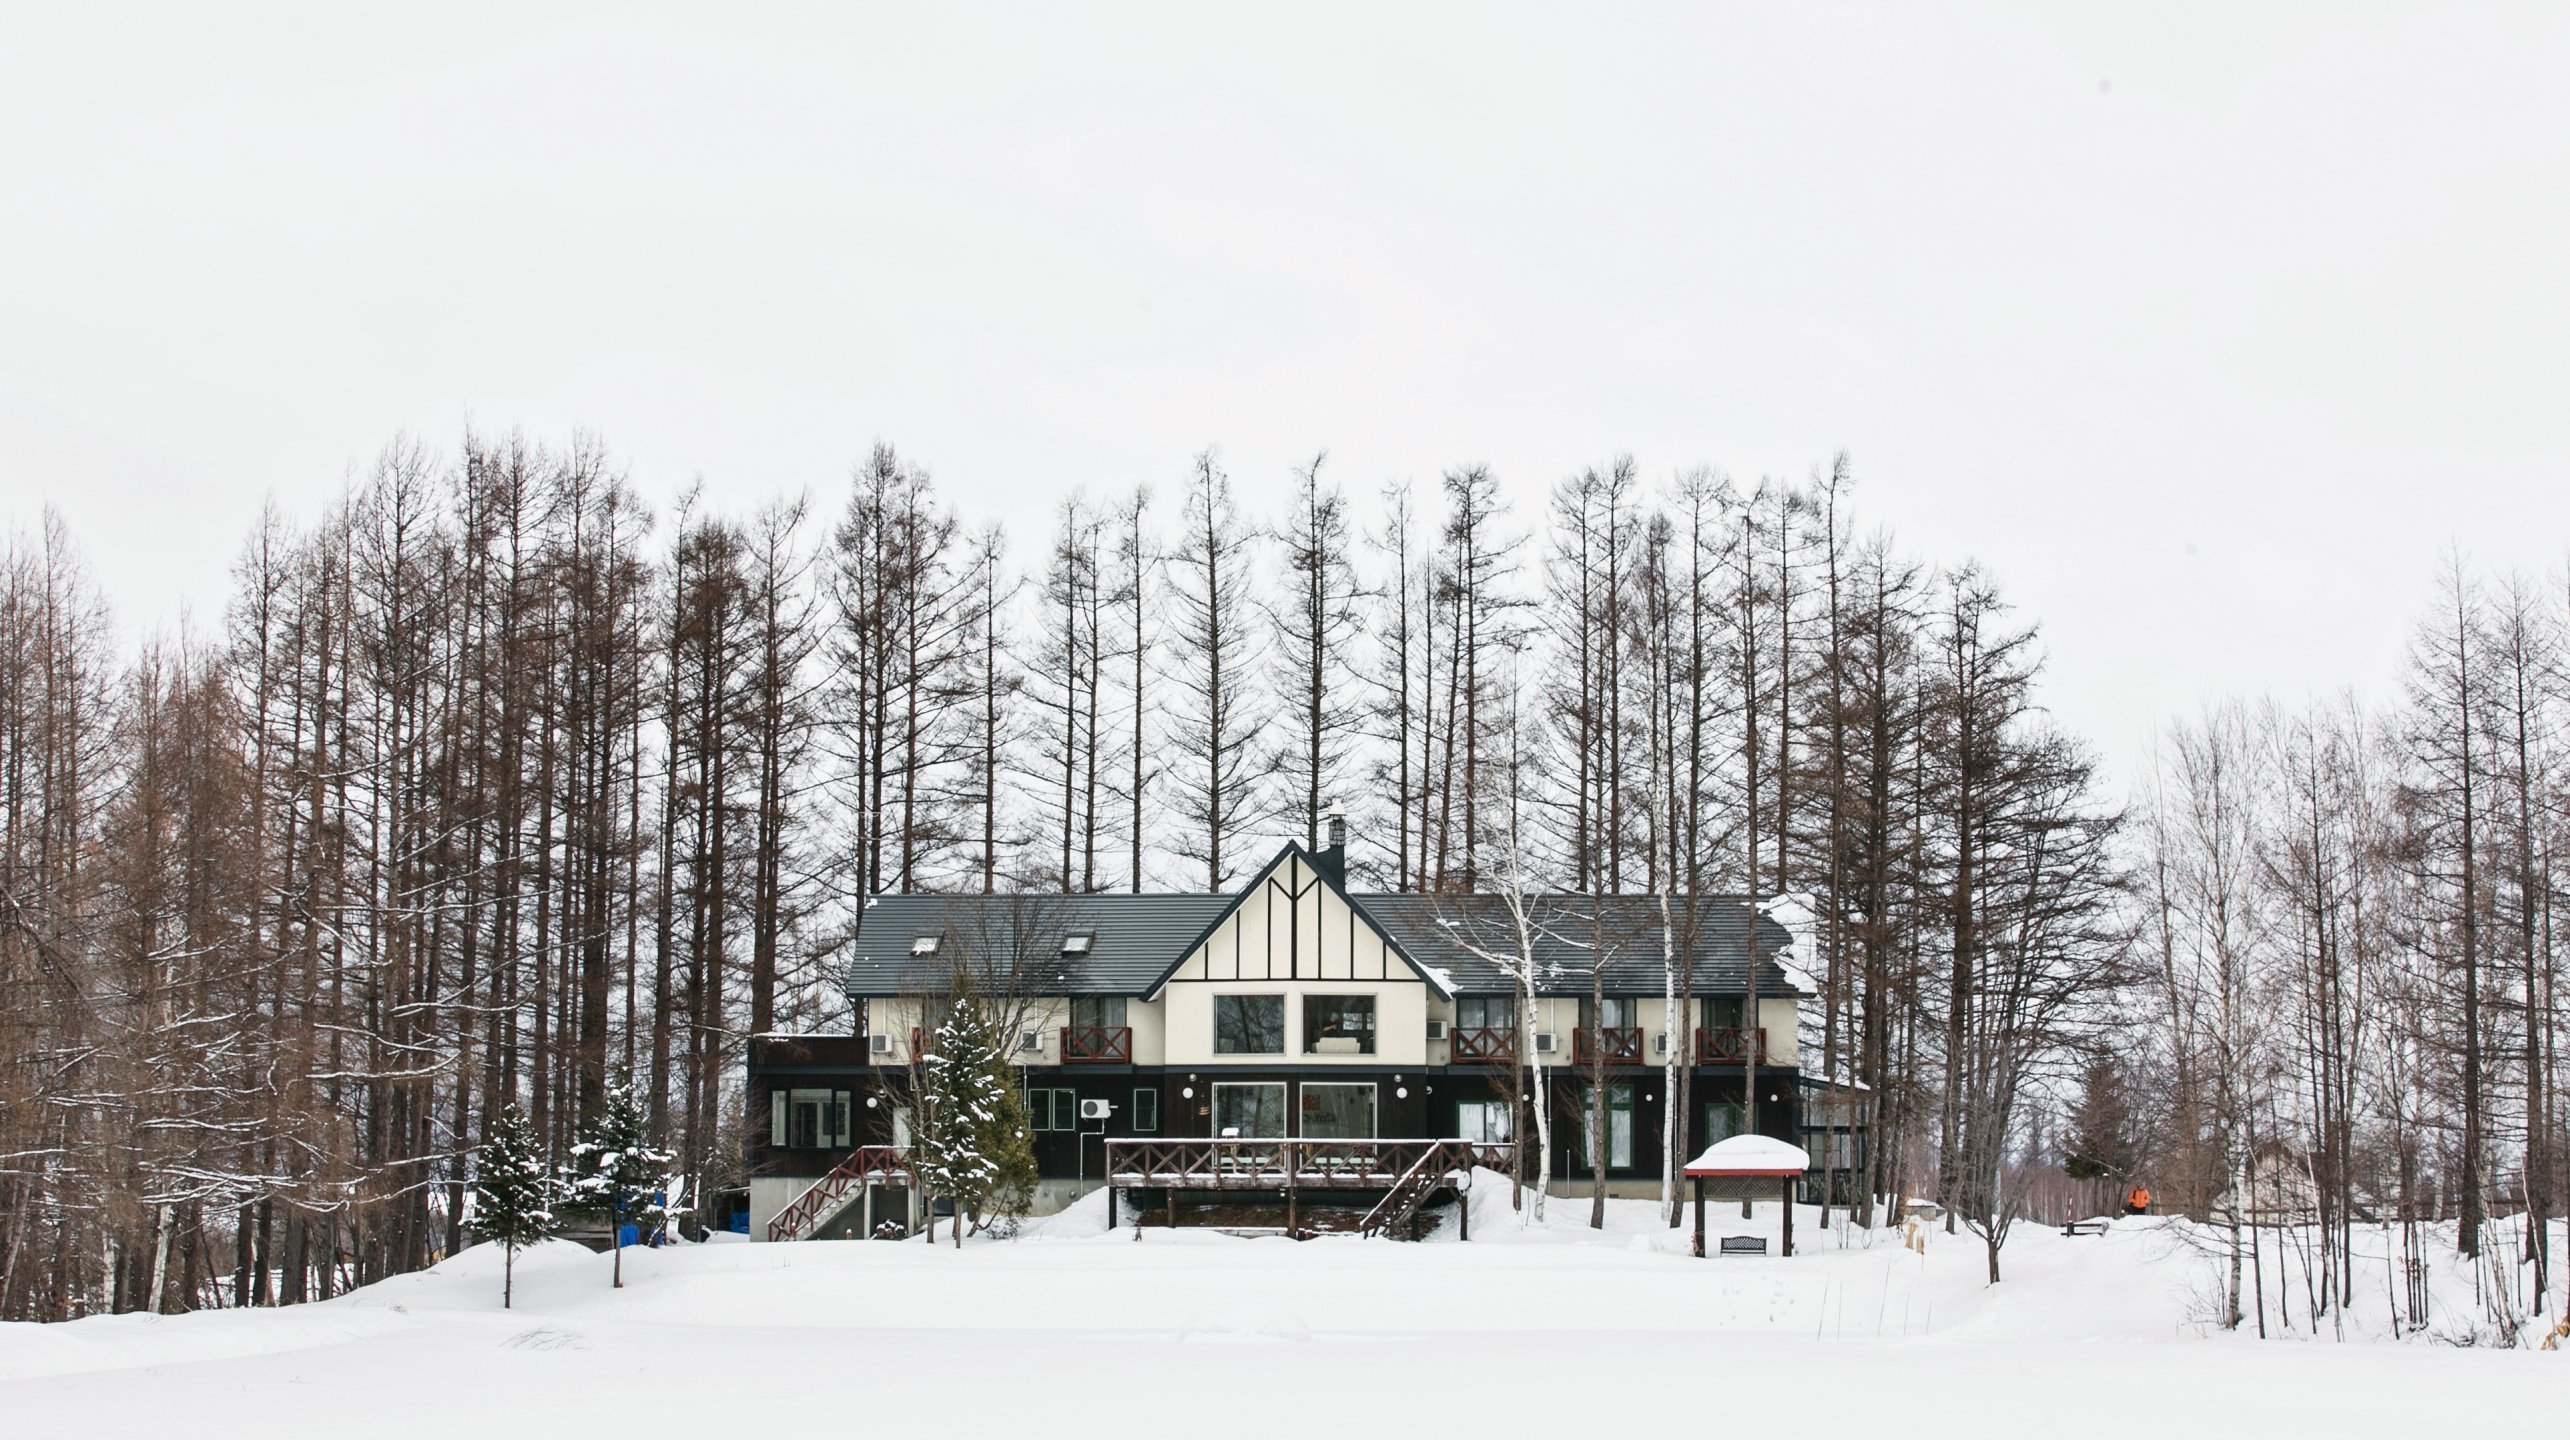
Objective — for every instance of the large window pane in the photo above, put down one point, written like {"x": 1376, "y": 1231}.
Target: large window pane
{"x": 1484, "y": 1121}
{"x": 1097, "y": 1012}
{"x": 815, "y": 1119}
{"x": 1338, "y": 1024}
{"x": 1249, "y": 1111}
{"x": 1249, "y": 1025}
{"x": 1338, "y": 1112}
{"x": 1486, "y": 1012}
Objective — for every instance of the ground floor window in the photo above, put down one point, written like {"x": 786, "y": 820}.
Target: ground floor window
{"x": 809, "y": 1119}
{"x": 1052, "y": 1109}
{"x": 1249, "y": 1111}
{"x": 1146, "y": 1109}
{"x": 1485, "y": 1122}
{"x": 1619, "y": 1127}
{"x": 1334, "y": 1111}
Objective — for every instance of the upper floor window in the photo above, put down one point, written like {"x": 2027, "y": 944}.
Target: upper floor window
{"x": 1486, "y": 1012}
{"x": 924, "y": 945}
{"x": 809, "y": 1119}
{"x": 1249, "y": 1024}
{"x": 1077, "y": 942}
{"x": 1615, "y": 1012}
{"x": 1338, "y": 1024}
{"x": 1097, "y": 1012}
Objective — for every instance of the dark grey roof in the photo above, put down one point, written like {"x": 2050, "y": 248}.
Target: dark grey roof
{"x": 1134, "y": 939}
{"x": 1137, "y": 939}
{"x": 1572, "y": 930}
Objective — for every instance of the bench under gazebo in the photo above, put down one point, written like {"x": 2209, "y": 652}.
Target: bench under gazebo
{"x": 1741, "y": 1167}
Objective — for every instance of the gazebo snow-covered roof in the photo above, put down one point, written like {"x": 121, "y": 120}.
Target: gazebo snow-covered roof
{"x": 1744, "y": 1157}
{"x": 1748, "y": 1159}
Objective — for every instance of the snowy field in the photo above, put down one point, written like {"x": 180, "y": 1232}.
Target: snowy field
{"x": 1070, "y": 1330}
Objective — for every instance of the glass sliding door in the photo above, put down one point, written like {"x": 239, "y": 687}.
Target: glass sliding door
{"x": 1333, "y": 1111}
{"x": 1483, "y": 1121}
{"x": 1249, "y": 1111}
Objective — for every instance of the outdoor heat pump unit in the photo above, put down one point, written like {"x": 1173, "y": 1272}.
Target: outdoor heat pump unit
{"x": 1095, "y": 1109}
{"x": 1030, "y": 1040}
{"x": 879, "y": 1044}
{"x": 1546, "y": 1042}
{"x": 1436, "y": 1029}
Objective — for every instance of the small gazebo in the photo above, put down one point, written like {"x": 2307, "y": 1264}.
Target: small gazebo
{"x": 1741, "y": 1167}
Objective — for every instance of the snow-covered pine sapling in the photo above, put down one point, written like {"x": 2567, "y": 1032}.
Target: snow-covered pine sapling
{"x": 964, "y": 1113}
{"x": 513, "y": 1193}
{"x": 614, "y": 1165}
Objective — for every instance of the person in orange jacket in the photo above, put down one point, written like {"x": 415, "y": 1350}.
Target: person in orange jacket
{"x": 2137, "y": 1201}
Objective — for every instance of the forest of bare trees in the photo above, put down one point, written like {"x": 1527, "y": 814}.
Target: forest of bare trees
{"x": 491, "y": 785}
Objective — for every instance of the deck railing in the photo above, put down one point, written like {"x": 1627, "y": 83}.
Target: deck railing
{"x": 1262, "y": 1164}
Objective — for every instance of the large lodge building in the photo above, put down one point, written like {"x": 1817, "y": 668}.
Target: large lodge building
{"x": 1291, "y": 1010}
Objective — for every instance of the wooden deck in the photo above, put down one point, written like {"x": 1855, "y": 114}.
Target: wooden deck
{"x": 1405, "y": 1174}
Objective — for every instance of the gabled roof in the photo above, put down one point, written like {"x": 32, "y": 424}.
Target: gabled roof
{"x": 1139, "y": 941}
{"x": 1327, "y": 873}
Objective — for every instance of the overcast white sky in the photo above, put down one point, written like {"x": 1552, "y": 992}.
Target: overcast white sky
{"x": 2207, "y": 331}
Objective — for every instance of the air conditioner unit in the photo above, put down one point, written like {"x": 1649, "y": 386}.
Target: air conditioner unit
{"x": 879, "y": 1044}
{"x": 1546, "y": 1042}
{"x": 1030, "y": 1040}
{"x": 1095, "y": 1109}
{"x": 1436, "y": 1029}
{"x": 1660, "y": 1043}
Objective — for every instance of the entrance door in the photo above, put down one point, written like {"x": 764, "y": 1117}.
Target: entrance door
{"x": 1619, "y": 1128}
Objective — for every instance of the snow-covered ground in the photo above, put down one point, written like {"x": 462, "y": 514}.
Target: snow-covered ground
{"x": 1071, "y": 1330}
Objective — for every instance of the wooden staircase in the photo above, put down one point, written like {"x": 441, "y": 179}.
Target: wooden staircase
{"x": 824, "y": 1198}
{"x": 1397, "y": 1212}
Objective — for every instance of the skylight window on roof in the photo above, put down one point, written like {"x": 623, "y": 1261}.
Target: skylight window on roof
{"x": 924, "y": 945}
{"x": 1078, "y": 942}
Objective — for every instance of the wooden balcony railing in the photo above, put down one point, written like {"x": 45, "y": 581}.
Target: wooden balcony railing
{"x": 1097, "y": 1044}
{"x": 1728, "y": 1045}
{"x": 1613, "y": 1046}
{"x": 1481, "y": 1045}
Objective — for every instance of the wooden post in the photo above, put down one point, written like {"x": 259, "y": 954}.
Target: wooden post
{"x": 1789, "y": 1216}
{"x": 1463, "y": 1211}
{"x": 1173, "y": 1207}
{"x": 1699, "y": 1217}
{"x": 1110, "y": 1204}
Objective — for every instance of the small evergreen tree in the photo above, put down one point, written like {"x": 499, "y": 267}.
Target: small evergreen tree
{"x": 964, "y": 1113}
{"x": 513, "y": 1193}
{"x": 615, "y": 1167}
